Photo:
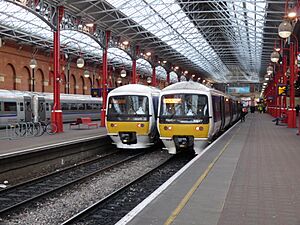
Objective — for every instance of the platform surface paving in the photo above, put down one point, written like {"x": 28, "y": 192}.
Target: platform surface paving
{"x": 255, "y": 181}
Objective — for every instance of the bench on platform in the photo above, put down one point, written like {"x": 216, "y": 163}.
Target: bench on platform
{"x": 85, "y": 121}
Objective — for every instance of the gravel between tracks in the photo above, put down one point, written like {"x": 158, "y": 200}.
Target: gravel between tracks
{"x": 61, "y": 207}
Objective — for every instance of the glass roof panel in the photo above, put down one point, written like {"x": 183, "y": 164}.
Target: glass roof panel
{"x": 119, "y": 57}
{"x": 144, "y": 67}
{"x": 161, "y": 73}
{"x": 173, "y": 77}
{"x": 170, "y": 24}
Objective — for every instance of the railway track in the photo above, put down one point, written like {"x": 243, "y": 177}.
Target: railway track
{"x": 113, "y": 207}
{"x": 26, "y": 193}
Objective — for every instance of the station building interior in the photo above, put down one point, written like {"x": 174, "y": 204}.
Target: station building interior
{"x": 244, "y": 48}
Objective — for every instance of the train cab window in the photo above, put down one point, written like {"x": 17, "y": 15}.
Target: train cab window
{"x": 10, "y": 106}
{"x": 184, "y": 108}
{"x": 130, "y": 107}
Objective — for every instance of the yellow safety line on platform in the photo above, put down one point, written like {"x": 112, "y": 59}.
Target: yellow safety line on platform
{"x": 187, "y": 197}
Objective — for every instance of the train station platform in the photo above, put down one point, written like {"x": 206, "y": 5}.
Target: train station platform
{"x": 21, "y": 145}
{"x": 250, "y": 176}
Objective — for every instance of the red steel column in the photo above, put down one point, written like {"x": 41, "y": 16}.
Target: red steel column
{"x": 153, "y": 76}
{"x": 56, "y": 114}
{"x": 168, "y": 77}
{"x": 134, "y": 77}
{"x": 104, "y": 80}
{"x": 291, "y": 110}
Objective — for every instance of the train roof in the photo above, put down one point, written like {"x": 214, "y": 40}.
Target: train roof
{"x": 187, "y": 85}
{"x": 135, "y": 88}
{"x": 12, "y": 93}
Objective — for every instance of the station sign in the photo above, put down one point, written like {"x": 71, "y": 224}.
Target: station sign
{"x": 238, "y": 90}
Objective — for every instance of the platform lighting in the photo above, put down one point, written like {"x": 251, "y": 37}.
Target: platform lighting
{"x": 125, "y": 42}
{"x": 123, "y": 73}
{"x": 86, "y": 74}
{"x": 149, "y": 80}
{"x": 267, "y": 78}
{"x": 292, "y": 13}
{"x": 89, "y": 24}
{"x": 80, "y": 62}
{"x": 277, "y": 49}
{"x": 165, "y": 61}
{"x": 265, "y": 83}
{"x": 176, "y": 67}
{"x": 119, "y": 80}
{"x": 32, "y": 64}
{"x": 275, "y": 57}
{"x": 285, "y": 29}
{"x": 148, "y": 53}
{"x": 186, "y": 72}
{"x": 203, "y": 81}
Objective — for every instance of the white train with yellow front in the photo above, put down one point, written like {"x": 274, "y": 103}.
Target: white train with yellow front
{"x": 131, "y": 116}
{"x": 191, "y": 114}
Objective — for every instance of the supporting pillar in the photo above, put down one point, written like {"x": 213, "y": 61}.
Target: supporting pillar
{"x": 104, "y": 79}
{"x": 153, "y": 76}
{"x": 134, "y": 75}
{"x": 56, "y": 114}
{"x": 168, "y": 77}
{"x": 291, "y": 110}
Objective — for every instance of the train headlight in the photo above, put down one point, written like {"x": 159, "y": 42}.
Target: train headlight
{"x": 113, "y": 125}
{"x": 199, "y": 128}
{"x": 167, "y": 128}
{"x": 140, "y": 125}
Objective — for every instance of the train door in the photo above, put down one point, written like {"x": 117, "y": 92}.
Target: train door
{"x": 41, "y": 109}
{"x": 222, "y": 103}
{"x": 27, "y": 109}
{"x": 20, "y": 110}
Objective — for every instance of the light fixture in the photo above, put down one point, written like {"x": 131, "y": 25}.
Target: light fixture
{"x": 176, "y": 67}
{"x": 265, "y": 83}
{"x": 270, "y": 69}
{"x": 285, "y": 29}
{"x": 125, "y": 42}
{"x": 182, "y": 78}
{"x": 165, "y": 61}
{"x": 203, "y": 81}
{"x": 89, "y": 24}
{"x": 32, "y": 63}
{"x": 80, "y": 62}
{"x": 123, "y": 73}
{"x": 292, "y": 12}
{"x": 119, "y": 80}
{"x": 275, "y": 57}
{"x": 149, "y": 80}
{"x": 186, "y": 72}
{"x": 86, "y": 74}
{"x": 148, "y": 53}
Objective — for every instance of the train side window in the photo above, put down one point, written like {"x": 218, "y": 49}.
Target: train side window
{"x": 10, "y": 106}
{"x": 65, "y": 106}
{"x": 73, "y": 106}
{"x": 81, "y": 106}
{"x": 0, "y": 106}
{"x": 21, "y": 106}
{"x": 47, "y": 106}
{"x": 89, "y": 106}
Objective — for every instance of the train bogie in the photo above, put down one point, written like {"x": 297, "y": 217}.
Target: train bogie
{"x": 131, "y": 116}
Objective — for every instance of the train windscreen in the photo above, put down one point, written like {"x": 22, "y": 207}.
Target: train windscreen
{"x": 128, "y": 108}
{"x": 184, "y": 108}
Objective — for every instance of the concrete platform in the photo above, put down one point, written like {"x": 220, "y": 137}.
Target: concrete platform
{"x": 21, "y": 145}
{"x": 249, "y": 176}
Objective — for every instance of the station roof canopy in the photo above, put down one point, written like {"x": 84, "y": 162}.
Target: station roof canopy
{"x": 225, "y": 41}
